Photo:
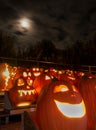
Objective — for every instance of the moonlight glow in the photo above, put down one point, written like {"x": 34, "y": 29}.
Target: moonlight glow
{"x": 25, "y": 23}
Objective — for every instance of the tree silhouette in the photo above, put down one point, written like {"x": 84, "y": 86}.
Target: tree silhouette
{"x": 6, "y": 44}
{"x": 45, "y": 50}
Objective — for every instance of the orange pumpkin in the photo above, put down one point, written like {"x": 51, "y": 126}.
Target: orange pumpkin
{"x": 41, "y": 81}
{"x": 22, "y": 95}
{"x": 87, "y": 88}
{"x": 36, "y": 71}
{"x": 61, "y": 107}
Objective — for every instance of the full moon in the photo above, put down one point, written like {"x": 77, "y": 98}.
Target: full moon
{"x": 25, "y": 23}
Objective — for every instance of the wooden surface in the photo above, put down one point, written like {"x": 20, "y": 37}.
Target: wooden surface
{"x": 11, "y": 126}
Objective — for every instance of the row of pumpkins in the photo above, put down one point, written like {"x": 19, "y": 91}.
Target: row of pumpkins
{"x": 65, "y": 99}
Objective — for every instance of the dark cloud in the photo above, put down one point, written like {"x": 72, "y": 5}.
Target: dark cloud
{"x": 63, "y": 21}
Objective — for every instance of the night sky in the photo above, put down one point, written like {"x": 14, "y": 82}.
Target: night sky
{"x": 61, "y": 21}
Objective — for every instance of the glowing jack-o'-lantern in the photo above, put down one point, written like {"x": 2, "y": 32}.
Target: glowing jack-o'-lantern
{"x": 60, "y": 107}
{"x": 5, "y": 77}
{"x": 22, "y": 94}
{"x": 41, "y": 81}
{"x": 28, "y": 76}
{"x": 37, "y": 71}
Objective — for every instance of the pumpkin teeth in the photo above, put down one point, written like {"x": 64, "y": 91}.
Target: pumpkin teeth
{"x": 25, "y": 92}
{"x": 71, "y": 110}
{"x": 36, "y": 74}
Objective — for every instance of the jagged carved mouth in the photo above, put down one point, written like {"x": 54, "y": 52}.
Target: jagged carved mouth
{"x": 71, "y": 110}
{"x": 36, "y": 74}
{"x": 25, "y": 92}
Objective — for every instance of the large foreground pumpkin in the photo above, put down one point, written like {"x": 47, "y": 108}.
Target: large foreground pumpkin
{"x": 61, "y": 107}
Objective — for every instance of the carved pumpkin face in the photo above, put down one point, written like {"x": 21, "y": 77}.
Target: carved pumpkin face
{"x": 22, "y": 94}
{"x": 28, "y": 76}
{"x": 72, "y": 109}
{"x": 41, "y": 81}
{"x": 60, "y": 104}
{"x": 37, "y": 71}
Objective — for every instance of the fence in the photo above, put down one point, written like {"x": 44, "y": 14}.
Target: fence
{"x": 28, "y": 63}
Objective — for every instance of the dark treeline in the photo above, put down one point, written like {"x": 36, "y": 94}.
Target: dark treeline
{"x": 79, "y": 53}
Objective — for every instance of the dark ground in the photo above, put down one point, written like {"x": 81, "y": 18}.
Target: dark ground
{"x": 14, "y": 123}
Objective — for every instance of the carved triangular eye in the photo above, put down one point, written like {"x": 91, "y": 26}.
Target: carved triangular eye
{"x": 24, "y": 74}
{"x": 47, "y": 77}
{"x": 60, "y": 88}
{"x": 20, "y": 82}
{"x": 29, "y": 74}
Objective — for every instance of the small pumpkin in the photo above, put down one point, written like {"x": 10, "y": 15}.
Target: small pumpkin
{"x": 36, "y": 71}
{"x": 60, "y": 106}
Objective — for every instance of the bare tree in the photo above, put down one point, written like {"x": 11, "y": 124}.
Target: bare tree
{"x": 7, "y": 44}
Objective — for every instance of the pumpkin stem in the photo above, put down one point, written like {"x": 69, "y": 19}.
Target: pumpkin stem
{"x": 54, "y": 79}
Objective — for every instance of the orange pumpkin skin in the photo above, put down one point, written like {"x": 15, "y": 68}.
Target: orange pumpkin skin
{"x": 49, "y": 116}
{"x": 22, "y": 95}
{"x": 87, "y": 88}
{"x": 41, "y": 81}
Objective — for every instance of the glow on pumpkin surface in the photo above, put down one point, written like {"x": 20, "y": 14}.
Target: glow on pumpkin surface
{"x": 71, "y": 110}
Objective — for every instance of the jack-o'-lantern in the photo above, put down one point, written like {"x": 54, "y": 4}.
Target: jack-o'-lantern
{"x": 41, "y": 81}
{"x": 87, "y": 88}
{"x": 22, "y": 95}
{"x": 17, "y": 72}
{"x": 27, "y": 74}
{"x": 61, "y": 107}
{"x": 53, "y": 72}
{"x": 5, "y": 77}
{"x": 64, "y": 76}
{"x": 37, "y": 71}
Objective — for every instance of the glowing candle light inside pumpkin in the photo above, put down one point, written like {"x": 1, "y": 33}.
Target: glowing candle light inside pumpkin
{"x": 25, "y": 92}
{"x": 68, "y": 109}
{"x": 6, "y": 74}
{"x": 47, "y": 77}
{"x": 71, "y": 110}
{"x": 23, "y": 104}
{"x": 36, "y": 72}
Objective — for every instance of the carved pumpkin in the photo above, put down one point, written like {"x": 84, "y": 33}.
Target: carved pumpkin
{"x": 22, "y": 94}
{"x": 5, "y": 77}
{"x": 17, "y": 72}
{"x": 37, "y": 71}
{"x": 41, "y": 81}
{"x": 27, "y": 74}
{"x": 61, "y": 107}
{"x": 87, "y": 88}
